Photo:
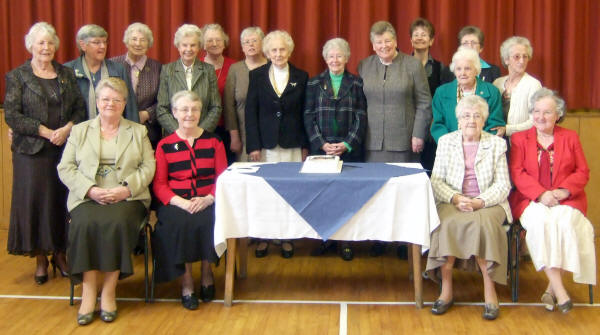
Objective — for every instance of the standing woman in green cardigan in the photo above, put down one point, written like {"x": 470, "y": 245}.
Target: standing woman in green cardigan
{"x": 466, "y": 67}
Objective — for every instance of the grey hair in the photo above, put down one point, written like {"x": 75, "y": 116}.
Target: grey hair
{"x": 190, "y": 95}
{"x": 473, "y": 102}
{"x": 187, "y": 30}
{"x": 140, "y": 28}
{"x": 337, "y": 43}
{"x": 217, "y": 27}
{"x": 40, "y": 28}
{"x": 251, "y": 30}
{"x": 511, "y": 42}
{"x": 381, "y": 27}
{"x": 115, "y": 84}
{"x": 544, "y": 92}
{"x": 471, "y": 30}
{"x": 89, "y": 31}
{"x": 278, "y": 34}
{"x": 464, "y": 53}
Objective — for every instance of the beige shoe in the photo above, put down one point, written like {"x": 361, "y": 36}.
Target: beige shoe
{"x": 549, "y": 301}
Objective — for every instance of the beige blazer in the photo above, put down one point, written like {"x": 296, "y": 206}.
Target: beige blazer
{"x": 491, "y": 170}
{"x": 134, "y": 161}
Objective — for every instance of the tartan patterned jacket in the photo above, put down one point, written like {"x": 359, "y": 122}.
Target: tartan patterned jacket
{"x": 490, "y": 168}
{"x": 328, "y": 119}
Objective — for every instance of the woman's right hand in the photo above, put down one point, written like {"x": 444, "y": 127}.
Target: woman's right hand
{"x": 98, "y": 194}
{"x": 254, "y": 156}
{"x": 548, "y": 199}
{"x": 462, "y": 203}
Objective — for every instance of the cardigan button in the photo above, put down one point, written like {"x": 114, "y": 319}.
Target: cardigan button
{"x": 278, "y": 114}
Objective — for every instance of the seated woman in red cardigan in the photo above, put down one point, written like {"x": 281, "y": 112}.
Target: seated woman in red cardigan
{"x": 550, "y": 172}
{"x": 188, "y": 163}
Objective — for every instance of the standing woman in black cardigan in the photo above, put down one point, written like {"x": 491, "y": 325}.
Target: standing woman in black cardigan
{"x": 42, "y": 103}
{"x": 274, "y": 112}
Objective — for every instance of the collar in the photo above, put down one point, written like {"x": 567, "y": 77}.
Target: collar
{"x": 278, "y": 71}
{"x": 185, "y": 68}
{"x": 484, "y": 64}
{"x": 139, "y": 64}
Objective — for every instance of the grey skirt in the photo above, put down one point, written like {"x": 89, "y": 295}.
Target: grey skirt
{"x": 102, "y": 237}
{"x": 465, "y": 235}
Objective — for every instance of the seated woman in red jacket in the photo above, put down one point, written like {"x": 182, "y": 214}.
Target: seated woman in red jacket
{"x": 550, "y": 172}
{"x": 188, "y": 163}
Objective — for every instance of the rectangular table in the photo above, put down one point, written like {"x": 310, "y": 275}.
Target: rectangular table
{"x": 247, "y": 206}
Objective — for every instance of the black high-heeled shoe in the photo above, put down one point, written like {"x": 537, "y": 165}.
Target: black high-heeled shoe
{"x": 43, "y": 278}
{"x": 63, "y": 273}
{"x": 207, "y": 293}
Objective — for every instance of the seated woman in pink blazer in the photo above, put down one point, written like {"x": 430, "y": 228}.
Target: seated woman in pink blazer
{"x": 549, "y": 172}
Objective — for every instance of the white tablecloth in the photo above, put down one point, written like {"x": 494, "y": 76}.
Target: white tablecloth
{"x": 246, "y": 206}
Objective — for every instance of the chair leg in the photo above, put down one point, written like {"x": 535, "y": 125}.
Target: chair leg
{"x": 72, "y": 290}
{"x": 516, "y": 270}
{"x": 591, "y": 293}
{"x": 146, "y": 229}
{"x": 510, "y": 234}
{"x": 152, "y": 280}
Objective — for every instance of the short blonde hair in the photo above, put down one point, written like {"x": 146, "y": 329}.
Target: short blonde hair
{"x": 251, "y": 30}
{"x": 464, "y": 53}
{"x": 337, "y": 43}
{"x": 185, "y": 94}
{"x": 140, "y": 28}
{"x": 217, "y": 27}
{"x": 187, "y": 30}
{"x": 380, "y": 28}
{"x": 278, "y": 34}
{"x": 115, "y": 84}
{"x": 511, "y": 42}
{"x": 40, "y": 29}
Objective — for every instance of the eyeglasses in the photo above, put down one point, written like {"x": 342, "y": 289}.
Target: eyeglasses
{"x": 97, "y": 43}
{"x": 249, "y": 42}
{"x": 519, "y": 57}
{"x": 469, "y": 43}
{"x": 214, "y": 40}
{"x": 188, "y": 109}
{"x": 115, "y": 101}
{"x": 474, "y": 116}
{"x": 140, "y": 40}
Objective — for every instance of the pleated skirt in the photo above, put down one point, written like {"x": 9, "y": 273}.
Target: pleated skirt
{"x": 465, "y": 235}
{"x": 560, "y": 237}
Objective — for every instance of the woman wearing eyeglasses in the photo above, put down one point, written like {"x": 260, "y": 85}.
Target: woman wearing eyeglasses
{"x": 518, "y": 86}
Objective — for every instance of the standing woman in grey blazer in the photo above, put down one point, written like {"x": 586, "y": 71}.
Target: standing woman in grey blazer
{"x": 188, "y": 73}
{"x": 42, "y": 103}
{"x": 398, "y": 100}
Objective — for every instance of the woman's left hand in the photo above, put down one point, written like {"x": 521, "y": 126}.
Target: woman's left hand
{"x": 417, "y": 144}
{"x": 59, "y": 136}
{"x": 201, "y": 203}
{"x": 500, "y": 131}
{"x": 116, "y": 194}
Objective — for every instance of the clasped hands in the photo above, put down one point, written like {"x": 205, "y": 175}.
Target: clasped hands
{"x": 554, "y": 197}
{"x": 105, "y": 196}
{"x": 193, "y": 205}
{"x": 467, "y": 204}
{"x": 334, "y": 149}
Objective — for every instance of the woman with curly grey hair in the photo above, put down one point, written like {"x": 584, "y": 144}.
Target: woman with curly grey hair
{"x": 42, "y": 103}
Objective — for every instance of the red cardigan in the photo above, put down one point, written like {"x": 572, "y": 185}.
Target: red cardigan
{"x": 569, "y": 171}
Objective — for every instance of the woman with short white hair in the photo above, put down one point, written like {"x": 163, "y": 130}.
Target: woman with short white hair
{"x": 518, "y": 86}
{"x": 274, "y": 112}
{"x": 191, "y": 74}
{"x": 236, "y": 89}
{"x": 466, "y": 67}
{"x": 144, "y": 75}
{"x": 42, "y": 103}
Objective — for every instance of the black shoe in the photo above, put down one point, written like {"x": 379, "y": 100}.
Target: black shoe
{"x": 260, "y": 253}
{"x": 402, "y": 251}
{"x": 40, "y": 279}
{"x": 377, "y": 249}
{"x": 347, "y": 254}
{"x": 566, "y": 306}
{"x": 323, "y": 248}
{"x": 490, "y": 311}
{"x": 190, "y": 301}
{"x": 85, "y": 319}
{"x": 440, "y": 306}
{"x": 55, "y": 265}
{"x": 287, "y": 253}
{"x": 108, "y": 316}
{"x": 207, "y": 293}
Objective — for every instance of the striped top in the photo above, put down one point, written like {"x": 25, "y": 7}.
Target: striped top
{"x": 188, "y": 171}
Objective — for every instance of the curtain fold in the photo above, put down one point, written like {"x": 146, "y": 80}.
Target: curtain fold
{"x": 564, "y": 33}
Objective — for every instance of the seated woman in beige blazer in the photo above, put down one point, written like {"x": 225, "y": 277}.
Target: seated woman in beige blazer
{"x": 107, "y": 165}
{"x": 471, "y": 185}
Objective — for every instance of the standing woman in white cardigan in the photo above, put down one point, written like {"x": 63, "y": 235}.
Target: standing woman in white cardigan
{"x": 518, "y": 86}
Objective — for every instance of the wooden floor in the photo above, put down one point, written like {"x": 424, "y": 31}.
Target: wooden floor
{"x": 303, "y": 295}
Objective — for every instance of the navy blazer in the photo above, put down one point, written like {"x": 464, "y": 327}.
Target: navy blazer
{"x": 272, "y": 120}
{"x": 114, "y": 70}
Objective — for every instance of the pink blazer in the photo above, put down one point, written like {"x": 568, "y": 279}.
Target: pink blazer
{"x": 570, "y": 169}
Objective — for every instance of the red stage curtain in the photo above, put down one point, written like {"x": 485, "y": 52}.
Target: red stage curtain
{"x": 564, "y": 33}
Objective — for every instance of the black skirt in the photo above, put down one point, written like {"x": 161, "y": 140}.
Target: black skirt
{"x": 102, "y": 237}
{"x": 38, "y": 213}
{"x": 180, "y": 237}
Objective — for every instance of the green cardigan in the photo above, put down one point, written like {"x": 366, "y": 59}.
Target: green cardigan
{"x": 444, "y": 105}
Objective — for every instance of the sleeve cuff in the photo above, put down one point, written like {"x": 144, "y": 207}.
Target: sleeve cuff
{"x": 348, "y": 146}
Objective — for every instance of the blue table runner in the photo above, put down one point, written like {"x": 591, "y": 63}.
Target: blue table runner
{"x": 328, "y": 201}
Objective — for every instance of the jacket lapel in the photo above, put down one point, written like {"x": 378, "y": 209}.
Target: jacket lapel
{"x": 344, "y": 86}
{"x": 124, "y": 138}
{"x": 532, "y": 164}
{"x": 93, "y": 136}
{"x": 180, "y": 74}
{"x": 292, "y": 81}
{"x": 197, "y": 72}
{"x": 484, "y": 148}
{"x": 559, "y": 144}
{"x": 325, "y": 84}
{"x": 31, "y": 81}
{"x": 456, "y": 151}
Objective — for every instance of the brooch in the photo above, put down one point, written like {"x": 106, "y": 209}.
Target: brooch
{"x": 176, "y": 146}
{"x": 78, "y": 74}
{"x": 293, "y": 84}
